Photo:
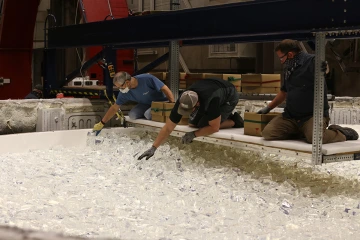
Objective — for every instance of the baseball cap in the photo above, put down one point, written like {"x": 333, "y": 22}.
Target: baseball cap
{"x": 187, "y": 102}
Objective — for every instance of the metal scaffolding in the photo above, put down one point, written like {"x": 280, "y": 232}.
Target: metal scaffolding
{"x": 318, "y": 99}
{"x": 174, "y": 58}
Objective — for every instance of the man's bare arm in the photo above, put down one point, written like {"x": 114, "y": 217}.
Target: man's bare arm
{"x": 168, "y": 93}
{"x": 280, "y": 97}
{"x": 110, "y": 113}
{"x": 164, "y": 133}
{"x": 214, "y": 126}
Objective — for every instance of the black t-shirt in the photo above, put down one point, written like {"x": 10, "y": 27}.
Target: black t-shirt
{"x": 212, "y": 94}
{"x": 299, "y": 85}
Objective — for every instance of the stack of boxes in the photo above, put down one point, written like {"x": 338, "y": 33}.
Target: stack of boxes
{"x": 246, "y": 83}
{"x": 213, "y": 75}
{"x": 191, "y": 78}
{"x": 163, "y": 76}
{"x": 160, "y": 75}
{"x": 157, "y": 112}
{"x": 255, "y": 123}
{"x": 235, "y": 79}
{"x": 182, "y": 84}
{"x": 261, "y": 83}
{"x": 160, "y": 112}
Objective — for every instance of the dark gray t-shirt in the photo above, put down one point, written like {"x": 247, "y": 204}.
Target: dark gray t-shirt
{"x": 298, "y": 83}
{"x": 212, "y": 94}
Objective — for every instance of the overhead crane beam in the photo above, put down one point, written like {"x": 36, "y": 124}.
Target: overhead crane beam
{"x": 229, "y": 22}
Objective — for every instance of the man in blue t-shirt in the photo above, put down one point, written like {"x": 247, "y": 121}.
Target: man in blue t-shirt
{"x": 143, "y": 89}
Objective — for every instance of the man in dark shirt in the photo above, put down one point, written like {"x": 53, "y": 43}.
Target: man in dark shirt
{"x": 298, "y": 90}
{"x": 209, "y": 104}
{"x": 36, "y": 93}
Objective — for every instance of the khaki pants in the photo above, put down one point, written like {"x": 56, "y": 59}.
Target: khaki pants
{"x": 280, "y": 128}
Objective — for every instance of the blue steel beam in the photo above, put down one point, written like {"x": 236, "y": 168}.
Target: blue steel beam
{"x": 49, "y": 71}
{"x": 245, "y": 19}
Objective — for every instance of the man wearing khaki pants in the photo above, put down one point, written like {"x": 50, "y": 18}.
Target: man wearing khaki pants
{"x": 298, "y": 91}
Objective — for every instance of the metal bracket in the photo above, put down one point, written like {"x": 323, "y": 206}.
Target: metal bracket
{"x": 187, "y": 3}
{"x": 174, "y": 69}
{"x": 338, "y": 158}
{"x": 339, "y": 60}
{"x": 183, "y": 64}
{"x": 4, "y": 81}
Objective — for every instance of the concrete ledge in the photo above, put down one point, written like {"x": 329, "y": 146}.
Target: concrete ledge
{"x": 20, "y": 116}
{"x": 14, "y": 233}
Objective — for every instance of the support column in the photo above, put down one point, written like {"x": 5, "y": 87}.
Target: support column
{"x": 50, "y": 60}
{"x": 174, "y": 59}
{"x": 174, "y": 69}
{"x": 318, "y": 99}
{"x": 265, "y": 57}
{"x": 110, "y": 70}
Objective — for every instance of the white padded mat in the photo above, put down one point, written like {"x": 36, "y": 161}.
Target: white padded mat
{"x": 237, "y": 134}
{"x": 231, "y": 134}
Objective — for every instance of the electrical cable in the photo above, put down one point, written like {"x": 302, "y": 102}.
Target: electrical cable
{"x": 77, "y": 52}
{"x": 109, "y": 7}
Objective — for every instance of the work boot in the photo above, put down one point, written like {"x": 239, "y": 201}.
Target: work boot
{"x": 349, "y": 133}
{"x": 239, "y": 122}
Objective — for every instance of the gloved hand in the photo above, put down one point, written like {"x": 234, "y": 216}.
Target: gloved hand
{"x": 324, "y": 66}
{"x": 188, "y": 137}
{"x": 148, "y": 154}
{"x": 98, "y": 127}
{"x": 264, "y": 110}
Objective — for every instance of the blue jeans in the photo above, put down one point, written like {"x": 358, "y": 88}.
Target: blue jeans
{"x": 140, "y": 111}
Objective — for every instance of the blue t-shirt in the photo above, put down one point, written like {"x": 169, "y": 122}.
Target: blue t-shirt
{"x": 147, "y": 90}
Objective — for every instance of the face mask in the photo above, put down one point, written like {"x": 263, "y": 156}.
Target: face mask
{"x": 289, "y": 62}
{"x": 293, "y": 62}
{"x": 125, "y": 90}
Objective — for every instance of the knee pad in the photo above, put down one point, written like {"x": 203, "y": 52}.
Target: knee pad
{"x": 132, "y": 115}
{"x": 147, "y": 114}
